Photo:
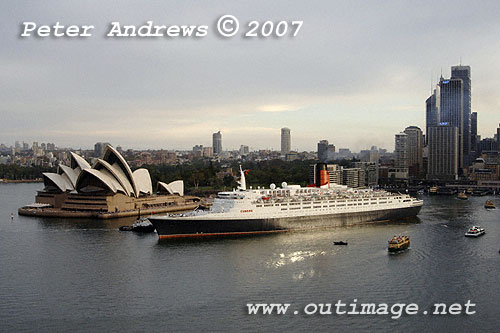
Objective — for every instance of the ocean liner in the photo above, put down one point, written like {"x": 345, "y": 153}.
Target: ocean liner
{"x": 289, "y": 207}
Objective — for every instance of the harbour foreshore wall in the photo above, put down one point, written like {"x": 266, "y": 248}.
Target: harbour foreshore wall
{"x": 57, "y": 212}
{"x": 76, "y": 205}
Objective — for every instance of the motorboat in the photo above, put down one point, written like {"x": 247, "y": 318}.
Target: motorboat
{"x": 475, "y": 231}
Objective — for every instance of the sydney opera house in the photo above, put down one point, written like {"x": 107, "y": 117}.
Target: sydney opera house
{"x": 107, "y": 189}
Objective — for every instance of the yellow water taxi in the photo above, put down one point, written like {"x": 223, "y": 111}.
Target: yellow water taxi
{"x": 399, "y": 243}
{"x": 489, "y": 204}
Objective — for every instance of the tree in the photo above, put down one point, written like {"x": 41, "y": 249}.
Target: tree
{"x": 228, "y": 181}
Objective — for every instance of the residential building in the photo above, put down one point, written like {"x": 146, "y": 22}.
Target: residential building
{"x": 244, "y": 150}
{"x": 286, "y": 141}
{"x": 217, "y": 143}
{"x": 370, "y": 170}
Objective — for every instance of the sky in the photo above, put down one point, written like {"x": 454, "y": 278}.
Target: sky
{"x": 357, "y": 73}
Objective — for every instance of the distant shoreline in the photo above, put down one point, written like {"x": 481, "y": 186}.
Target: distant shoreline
{"x": 10, "y": 181}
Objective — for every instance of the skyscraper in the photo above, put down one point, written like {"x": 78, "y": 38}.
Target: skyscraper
{"x": 99, "y": 148}
{"x": 244, "y": 150}
{"x": 286, "y": 141}
{"x": 443, "y": 152}
{"x": 401, "y": 151}
{"x": 325, "y": 151}
{"x": 35, "y": 148}
{"x": 415, "y": 150}
{"x": 217, "y": 143}
{"x": 473, "y": 133}
{"x": 463, "y": 73}
{"x": 432, "y": 114}
{"x": 452, "y": 110}
{"x": 498, "y": 137}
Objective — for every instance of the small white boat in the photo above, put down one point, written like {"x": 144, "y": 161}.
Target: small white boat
{"x": 475, "y": 231}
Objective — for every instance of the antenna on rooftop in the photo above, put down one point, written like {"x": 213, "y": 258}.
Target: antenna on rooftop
{"x": 431, "y": 82}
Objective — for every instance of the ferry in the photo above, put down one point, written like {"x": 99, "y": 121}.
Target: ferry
{"x": 289, "y": 207}
{"x": 399, "y": 243}
{"x": 475, "y": 231}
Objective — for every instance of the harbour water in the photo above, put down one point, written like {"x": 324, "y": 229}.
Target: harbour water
{"x": 85, "y": 275}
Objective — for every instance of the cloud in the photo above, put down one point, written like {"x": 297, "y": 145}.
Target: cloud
{"x": 277, "y": 108}
{"x": 357, "y": 69}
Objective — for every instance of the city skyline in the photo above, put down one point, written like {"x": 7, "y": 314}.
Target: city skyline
{"x": 217, "y": 140}
{"x": 363, "y": 69}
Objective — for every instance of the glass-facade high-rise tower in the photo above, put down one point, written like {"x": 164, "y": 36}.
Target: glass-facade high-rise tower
{"x": 432, "y": 114}
{"x": 473, "y": 134}
{"x": 451, "y": 110}
{"x": 451, "y": 105}
{"x": 463, "y": 73}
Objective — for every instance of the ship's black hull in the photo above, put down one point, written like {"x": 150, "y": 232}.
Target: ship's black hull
{"x": 170, "y": 227}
